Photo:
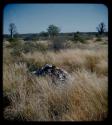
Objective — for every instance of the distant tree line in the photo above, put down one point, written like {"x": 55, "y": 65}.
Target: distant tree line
{"x": 53, "y": 31}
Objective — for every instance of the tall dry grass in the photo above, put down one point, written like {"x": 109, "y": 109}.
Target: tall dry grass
{"x": 71, "y": 60}
{"x": 85, "y": 98}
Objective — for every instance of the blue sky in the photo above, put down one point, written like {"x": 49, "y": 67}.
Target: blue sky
{"x": 34, "y": 18}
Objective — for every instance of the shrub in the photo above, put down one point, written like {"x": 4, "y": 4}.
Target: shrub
{"x": 28, "y": 47}
{"x": 31, "y": 47}
{"x": 78, "y": 38}
{"x": 16, "y": 48}
{"x": 41, "y": 47}
{"x": 82, "y": 40}
{"x": 98, "y": 39}
{"x": 69, "y": 44}
{"x": 14, "y": 42}
{"x": 16, "y": 51}
{"x": 58, "y": 43}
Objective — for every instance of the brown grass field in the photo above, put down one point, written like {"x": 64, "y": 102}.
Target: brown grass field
{"x": 32, "y": 98}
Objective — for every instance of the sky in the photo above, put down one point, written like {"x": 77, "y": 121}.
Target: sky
{"x": 35, "y": 18}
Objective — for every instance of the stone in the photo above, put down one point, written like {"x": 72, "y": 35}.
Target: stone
{"x": 53, "y": 71}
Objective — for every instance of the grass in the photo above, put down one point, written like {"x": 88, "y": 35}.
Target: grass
{"x": 83, "y": 98}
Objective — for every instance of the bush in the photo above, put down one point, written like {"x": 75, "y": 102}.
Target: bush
{"x": 69, "y": 44}
{"x": 99, "y": 39}
{"x": 78, "y": 38}
{"x": 28, "y": 47}
{"x": 82, "y": 40}
{"x": 14, "y": 42}
{"x": 58, "y": 43}
{"x": 16, "y": 51}
{"x": 41, "y": 47}
{"x": 16, "y": 47}
{"x": 31, "y": 47}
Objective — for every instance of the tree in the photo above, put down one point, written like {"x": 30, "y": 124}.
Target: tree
{"x": 101, "y": 28}
{"x": 12, "y": 29}
{"x": 53, "y": 30}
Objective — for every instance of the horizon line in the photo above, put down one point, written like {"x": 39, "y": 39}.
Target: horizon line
{"x": 59, "y": 33}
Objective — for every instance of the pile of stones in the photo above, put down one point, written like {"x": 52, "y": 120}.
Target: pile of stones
{"x": 53, "y": 71}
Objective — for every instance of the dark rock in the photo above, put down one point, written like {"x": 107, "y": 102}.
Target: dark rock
{"x": 53, "y": 71}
